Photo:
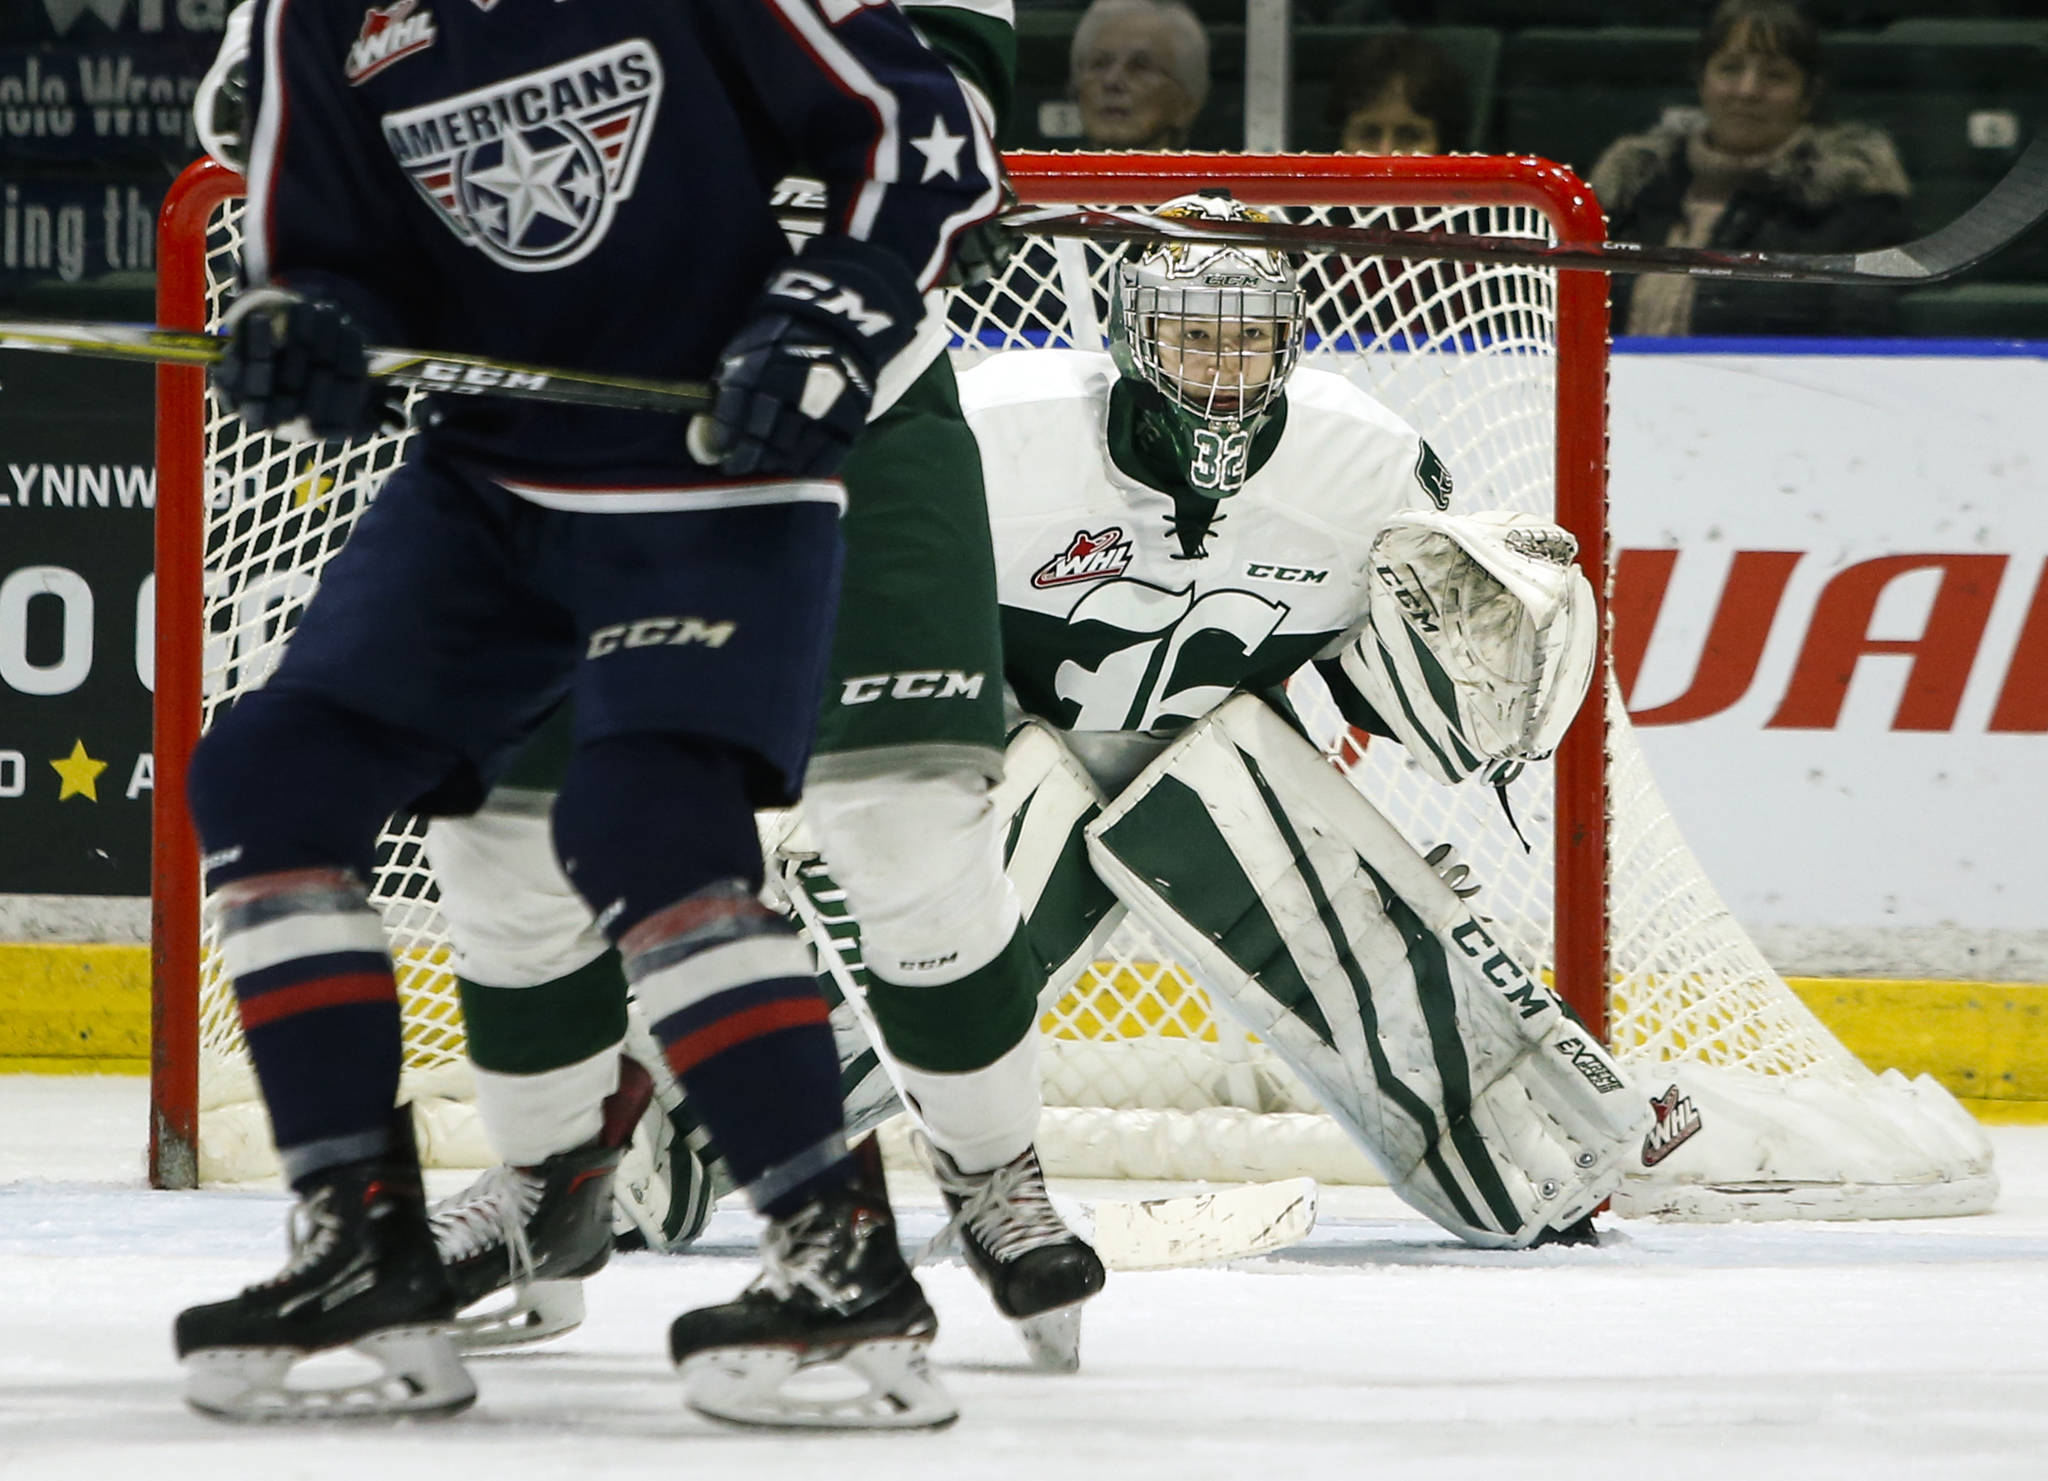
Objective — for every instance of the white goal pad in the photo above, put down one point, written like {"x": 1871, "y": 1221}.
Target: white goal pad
{"x": 1308, "y": 917}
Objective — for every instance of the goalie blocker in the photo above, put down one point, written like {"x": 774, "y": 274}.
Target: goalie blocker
{"x": 1310, "y": 920}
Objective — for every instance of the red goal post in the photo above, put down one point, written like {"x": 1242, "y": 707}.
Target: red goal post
{"x": 1579, "y": 434}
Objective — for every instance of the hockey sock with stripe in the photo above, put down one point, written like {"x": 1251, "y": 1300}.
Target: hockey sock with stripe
{"x": 729, "y": 989}
{"x": 319, "y": 1007}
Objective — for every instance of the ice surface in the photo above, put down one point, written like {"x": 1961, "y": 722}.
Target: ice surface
{"x": 1377, "y": 1350}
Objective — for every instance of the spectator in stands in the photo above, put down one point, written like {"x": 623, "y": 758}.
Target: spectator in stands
{"x": 1753, "y": 170}
{"x": 1399, "y": 93}
{"x": 1140, "y": 71}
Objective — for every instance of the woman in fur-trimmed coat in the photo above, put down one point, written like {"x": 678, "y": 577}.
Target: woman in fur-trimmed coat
{"x": 1751, "y": 172}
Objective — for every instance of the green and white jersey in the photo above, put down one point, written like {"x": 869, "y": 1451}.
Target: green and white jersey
{"x": 1110, "y": 631}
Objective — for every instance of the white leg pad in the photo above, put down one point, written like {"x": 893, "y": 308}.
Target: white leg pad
{"x": 529, "y": 1118}
{"x": 986, "y": 1117}
{"x": 1312, "y": 921}
{"x": 921, "y": 861}
{"x": 514, "y": 920}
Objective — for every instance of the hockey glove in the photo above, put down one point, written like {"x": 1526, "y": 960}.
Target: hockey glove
{"x": 299, "y": 367}
{"x": 795, "y": 384}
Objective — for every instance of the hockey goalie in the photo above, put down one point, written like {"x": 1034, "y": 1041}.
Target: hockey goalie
{"x": 1180, "y": 527}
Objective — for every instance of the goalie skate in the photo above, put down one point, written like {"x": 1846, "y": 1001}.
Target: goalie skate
{"x": 834, "y": 1334}
{"x": 363, "y": 1275}
{"x": 536, "y": 1232}
{"x": 1037, "y": 1269}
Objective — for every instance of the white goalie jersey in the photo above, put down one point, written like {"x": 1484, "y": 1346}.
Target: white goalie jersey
{"x": 1111, "y": 629}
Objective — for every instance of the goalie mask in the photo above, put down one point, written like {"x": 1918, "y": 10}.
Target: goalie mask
{"x": 1216, "y": 331}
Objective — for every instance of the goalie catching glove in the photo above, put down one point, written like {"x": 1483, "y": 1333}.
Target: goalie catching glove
{"x": 1478, "y": 644}
{"x": 796, "y": 383}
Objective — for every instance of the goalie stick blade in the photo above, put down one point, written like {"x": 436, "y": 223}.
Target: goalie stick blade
{"x": 2013, "y": 206}
{"x": 1203, "y": 1228}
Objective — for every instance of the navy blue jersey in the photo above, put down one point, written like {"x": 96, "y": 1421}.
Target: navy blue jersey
{"x": 586, "y": 183}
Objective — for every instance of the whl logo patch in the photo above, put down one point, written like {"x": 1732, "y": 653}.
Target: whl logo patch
{"x": 389, "y": 35}
{"x": 531, "y": 170}
{"x": 1678, "y": 1121}
{"x": 1087, "y": 558}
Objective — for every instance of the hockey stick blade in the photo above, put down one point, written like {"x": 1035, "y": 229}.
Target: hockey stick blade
{"x": 1203, "y": 1228}
{"x": 2013, "y": 206}
{"x": 461, "y": 375}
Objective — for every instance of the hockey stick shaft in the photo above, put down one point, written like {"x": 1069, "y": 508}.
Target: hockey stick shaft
{"x": 2013, "y": 206}
{"x": 471, "y": 375}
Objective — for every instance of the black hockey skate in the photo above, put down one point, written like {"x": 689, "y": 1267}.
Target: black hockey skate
{"x": 835, "y": 1306}
{"x": 363, "y": 1274}
{"x": 1038, "y": 1270}
{"x": 1578, "y": 1232}
{"x": 538, "y": 1230}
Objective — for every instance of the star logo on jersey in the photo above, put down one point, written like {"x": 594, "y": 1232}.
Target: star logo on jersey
{"x": 1086, "y": 558}
{"x": 531, "y": 170}
{"x": 390, "y": 34}
{"x": 941, "y": 150}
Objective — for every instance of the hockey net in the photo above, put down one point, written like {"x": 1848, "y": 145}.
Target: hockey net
{"x": 1504, "y": 371}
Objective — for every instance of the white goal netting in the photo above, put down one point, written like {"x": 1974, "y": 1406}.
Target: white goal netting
{"x": 1141, "y": 1081}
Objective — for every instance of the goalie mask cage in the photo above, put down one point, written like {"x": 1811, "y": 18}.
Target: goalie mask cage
{"x": 1504, "y": 371}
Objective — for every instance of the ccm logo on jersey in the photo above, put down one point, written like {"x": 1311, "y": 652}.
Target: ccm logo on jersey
{"x": 389, "y": 35}
{"x": 809, "y": 287}
{"x": 660, "y": 632}
{"x": 1300, "y": 575}
{"x": 1087, "y": 558}
{"x": 916, "y": 684}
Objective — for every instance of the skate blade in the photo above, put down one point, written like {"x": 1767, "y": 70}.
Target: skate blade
{"x": 536, "y": 1311}
{"x": 419, "y": 1377}
{"x": 882, "y": 1384}
{"x": 1053, "y": 1338}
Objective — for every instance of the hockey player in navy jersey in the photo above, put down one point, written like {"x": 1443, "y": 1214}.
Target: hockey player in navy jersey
{"x": 899, "y": 796}
{"x": 582, "y": 185}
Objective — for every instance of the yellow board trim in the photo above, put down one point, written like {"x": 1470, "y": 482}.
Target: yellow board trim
{"x": 84, "y": 1009}
{"x": 74, "y": 1009}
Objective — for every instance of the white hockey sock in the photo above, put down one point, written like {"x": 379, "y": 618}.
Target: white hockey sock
{"x": 986, "y": 1117}
{"x": 529, "y": 1118}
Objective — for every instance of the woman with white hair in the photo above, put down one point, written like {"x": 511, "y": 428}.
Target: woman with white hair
{"x": 1140, "y": 71}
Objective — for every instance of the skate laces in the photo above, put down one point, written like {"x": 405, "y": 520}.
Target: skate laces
{"x": 310, "y": 1229}
{"x": 492, "y": 1210}
{"x": 1007, "y": 1212}
{"x": 796, "y": 1254}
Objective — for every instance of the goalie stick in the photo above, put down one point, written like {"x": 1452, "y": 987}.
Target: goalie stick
{"x": 462, "y": 375}
{"x": 1205, "y": 1228}
{"x": 2014, "y": 205}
